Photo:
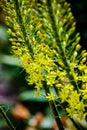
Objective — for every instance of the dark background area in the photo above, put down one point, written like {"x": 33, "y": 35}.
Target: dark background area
{"x": 79, "y": 9}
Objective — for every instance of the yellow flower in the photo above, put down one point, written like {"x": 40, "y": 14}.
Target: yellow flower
{"x": 65, "y": 92}
{"x": 76, "y": 106}
{"x": 74, "y": 98}
{"x": 70, "y": 112}
{"x": 50, "y": 96}
{"x": 51, "y": 78}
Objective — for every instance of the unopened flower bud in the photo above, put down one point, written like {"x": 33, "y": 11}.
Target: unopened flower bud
{"x": 78, "y": 47}
{"x": 15, "y": 27}
{"x": 9, "y": 31}
{"x": 83, "y": 60}
{"x": 75, "y": 54}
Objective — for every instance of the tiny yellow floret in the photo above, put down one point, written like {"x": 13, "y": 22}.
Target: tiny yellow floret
{"x": 50, "y": 96}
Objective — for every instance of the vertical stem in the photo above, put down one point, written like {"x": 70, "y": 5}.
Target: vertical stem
{"x": 54, "y": 108}
{"x": 77, "y": 125}
{"x": 7, "y": 119}
{"x": 56, "y": 115}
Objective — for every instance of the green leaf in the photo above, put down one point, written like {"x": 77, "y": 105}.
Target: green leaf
{"x": 30, "y": 96}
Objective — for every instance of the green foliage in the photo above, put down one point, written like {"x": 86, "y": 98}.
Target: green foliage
{"x": 44, "y": 38}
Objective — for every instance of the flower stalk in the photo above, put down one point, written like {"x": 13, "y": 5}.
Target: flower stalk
{"x": 54, "y": 108}
{"x": 64, "y": 60}
{"x": 9, "y": 123}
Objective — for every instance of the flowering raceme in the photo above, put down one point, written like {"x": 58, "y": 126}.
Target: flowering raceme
{"x": 44, "y": 38}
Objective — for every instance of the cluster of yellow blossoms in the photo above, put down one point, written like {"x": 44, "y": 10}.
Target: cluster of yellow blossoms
{"x": 43, "y": 37}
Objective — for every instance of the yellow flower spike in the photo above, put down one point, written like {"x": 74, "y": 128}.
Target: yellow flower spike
{"x": 50, "y": 96}
{"x": 49, "y": 50}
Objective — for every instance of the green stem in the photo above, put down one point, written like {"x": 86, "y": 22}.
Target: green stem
{"x": 7, "y": 119}
{"x": 77, "y": 125}
{"x": 54, "y": 108}
{"x": 64, "y": 60}
{"x": 56, "y": 115}
{"x": 22, "y": 27}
